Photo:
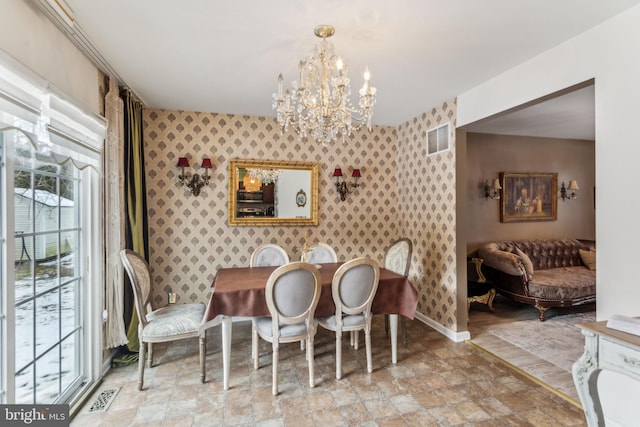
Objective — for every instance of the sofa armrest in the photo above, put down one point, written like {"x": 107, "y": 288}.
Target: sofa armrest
{"x": 507, "y": 262}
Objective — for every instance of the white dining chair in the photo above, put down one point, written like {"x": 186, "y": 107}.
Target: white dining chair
{"x": 398, "y": 259}
{"x": 321, "y": 253}
{"x": 268, "y": 254}
{"x": 353, "y": 287}
{"x": 171, "y": 323}
{"x": 292, "y": 293}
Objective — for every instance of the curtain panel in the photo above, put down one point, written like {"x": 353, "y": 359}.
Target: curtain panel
{"x": 114, "y": 230}
{"x": 135, "y": 201}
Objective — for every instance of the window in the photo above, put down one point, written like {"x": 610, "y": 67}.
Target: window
{"x": 52, "y": 255}
{"x": 48, "y": 286}
{"x": 438, "y": 139}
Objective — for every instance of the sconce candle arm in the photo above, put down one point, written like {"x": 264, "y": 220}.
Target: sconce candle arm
{"x": 342, "y": 187}
{"x": 195, "y": 182}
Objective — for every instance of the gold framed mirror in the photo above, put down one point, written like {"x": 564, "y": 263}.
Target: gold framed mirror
{"x": 272, "y": 192}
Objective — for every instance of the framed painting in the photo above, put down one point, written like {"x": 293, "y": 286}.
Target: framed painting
{"x": 528, "y": 197}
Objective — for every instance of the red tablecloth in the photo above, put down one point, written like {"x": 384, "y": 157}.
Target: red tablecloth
{"x": 240, "y": 292}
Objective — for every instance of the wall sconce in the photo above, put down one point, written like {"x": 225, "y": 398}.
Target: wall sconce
{"x": 492, "y": 191}
{"x": 195, "y": 182}
{"x": 564, "y": 191}
{"x": 342, "y": 187}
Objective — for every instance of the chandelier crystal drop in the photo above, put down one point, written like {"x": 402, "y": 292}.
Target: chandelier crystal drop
{"x": 265, "y": 176}
{"x": 319, "y": 105}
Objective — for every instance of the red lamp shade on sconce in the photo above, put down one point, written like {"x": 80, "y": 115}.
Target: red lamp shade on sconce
{"x": 356, "y": 173}
{"x": 337, "y": 172}
{"x": 183, "y": 162}
{"x": 206, "y": 163}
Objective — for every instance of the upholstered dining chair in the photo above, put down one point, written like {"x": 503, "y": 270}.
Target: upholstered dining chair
{"x": 171, "y": 323}
{"x": 321, "y": 253}
{"x": 292, "y": 293}
{"x": 398, "y": 259}
{"x": 353, "y": 287}
{"x": 268, "y": 254}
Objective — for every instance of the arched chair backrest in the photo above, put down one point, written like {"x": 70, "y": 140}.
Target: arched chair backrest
{"x": 268, "y": 255}
{"x": 398, "y": 257}
{"x": 137, "y": 269}
{"x": 321, "y": 253}
{"x": 354, "y": 286}
{"x": 292, "y": 293}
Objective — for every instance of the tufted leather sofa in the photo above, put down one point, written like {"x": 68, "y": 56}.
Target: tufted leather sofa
{"x": 559, "y": 278}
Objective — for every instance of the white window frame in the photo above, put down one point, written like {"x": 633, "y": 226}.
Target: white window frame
{"x": 30, "y": 104}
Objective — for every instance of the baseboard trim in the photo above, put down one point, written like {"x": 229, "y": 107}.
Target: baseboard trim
{"x": 452, "y": 335}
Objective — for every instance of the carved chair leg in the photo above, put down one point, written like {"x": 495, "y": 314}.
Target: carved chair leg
{"x": 338, "y": 354}
{"x": 254, "y": 345}
{"x": 276, "y": 357}
{"x": 150, "y": 356}
{"x": 141, "y": 362}
{"x": 203, "y": 353}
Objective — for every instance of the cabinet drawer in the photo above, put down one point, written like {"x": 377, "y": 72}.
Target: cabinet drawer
{"x": 619, "y": 357}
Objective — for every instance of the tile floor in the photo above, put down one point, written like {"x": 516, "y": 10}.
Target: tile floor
{"x": 436, "y": 383}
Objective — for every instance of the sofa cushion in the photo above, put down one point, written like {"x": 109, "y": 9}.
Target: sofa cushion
{"x": 588, "y": 259}
{"x": 564, "y": 283}
{"x": 528, "y": 265}
{"x": 501, "y": 259}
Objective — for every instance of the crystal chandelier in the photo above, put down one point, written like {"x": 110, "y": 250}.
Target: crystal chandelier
{"x": 319, "y": 103}
{"x": 265, "y": 176}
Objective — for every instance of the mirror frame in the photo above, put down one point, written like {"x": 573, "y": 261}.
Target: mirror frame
{"x": 235, "y": 164}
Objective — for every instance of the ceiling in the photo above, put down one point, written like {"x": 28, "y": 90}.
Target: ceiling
{"x": 224, "y": 57}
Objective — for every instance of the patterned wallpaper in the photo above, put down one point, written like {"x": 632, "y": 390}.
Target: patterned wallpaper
{"x": 190, "y": 238}
{"x": 426, "y": 206}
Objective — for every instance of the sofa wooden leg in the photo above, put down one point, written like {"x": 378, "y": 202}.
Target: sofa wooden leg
{"x": 541, "y": 310}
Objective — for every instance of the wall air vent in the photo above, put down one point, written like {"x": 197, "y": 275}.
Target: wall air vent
{"x": 438, "y": 139}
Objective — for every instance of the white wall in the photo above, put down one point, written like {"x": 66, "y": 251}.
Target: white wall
{"x": 608, "y": 53}
{"x": 30, "y": 37}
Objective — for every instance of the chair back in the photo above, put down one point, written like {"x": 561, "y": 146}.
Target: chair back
{"x": 292, "y": 293}
{"x": 268, "y": 255}
{"x": 354, "y": 285}
{"x": 140, "y": 278}
{"x": 321, "y": 253}
{"x": 398, "y": 257}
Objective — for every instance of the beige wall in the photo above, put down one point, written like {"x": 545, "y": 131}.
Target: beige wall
{"x": 426, "y": 210}
{"x": 488, "y": 155}
{"x": 30, "y": 37}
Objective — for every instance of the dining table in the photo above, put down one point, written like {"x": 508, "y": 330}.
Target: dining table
{"x": 240, "y": 292}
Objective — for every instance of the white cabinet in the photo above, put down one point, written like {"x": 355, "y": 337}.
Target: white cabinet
{"x": 607, "y": 376}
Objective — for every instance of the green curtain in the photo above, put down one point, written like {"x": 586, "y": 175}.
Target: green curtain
{"x": 135, "y": 203}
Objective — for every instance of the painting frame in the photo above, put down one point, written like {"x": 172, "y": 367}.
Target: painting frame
{"x": 528, "y": 196}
